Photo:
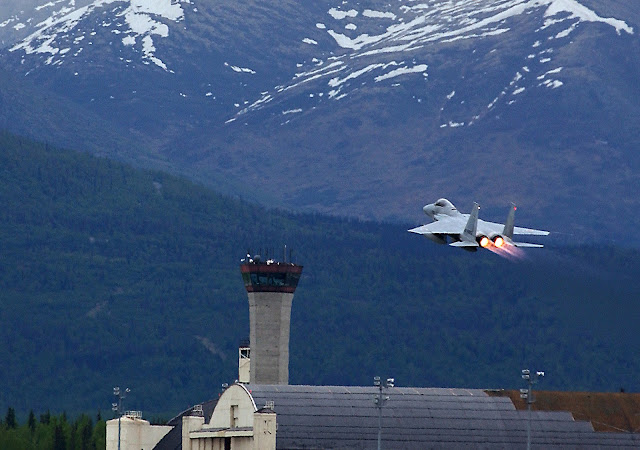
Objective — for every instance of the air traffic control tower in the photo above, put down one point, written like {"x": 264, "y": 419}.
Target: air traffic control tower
{"x": 270, "y": 286}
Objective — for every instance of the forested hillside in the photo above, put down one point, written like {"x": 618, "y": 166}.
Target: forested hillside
{"x": 115, "y": 276}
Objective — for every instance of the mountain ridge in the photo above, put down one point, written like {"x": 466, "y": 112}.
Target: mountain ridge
{"x": 371, "y": 110}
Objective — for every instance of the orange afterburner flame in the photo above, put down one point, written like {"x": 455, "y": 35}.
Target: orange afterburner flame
{"x": 484, "y": 242}
{"x": 498, "y": 242}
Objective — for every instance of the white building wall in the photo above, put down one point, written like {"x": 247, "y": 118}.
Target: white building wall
{"x": 264, "y": 430}
{"x": 189, "y": 424}
{"x": 135, "y": 434}
{"x": 238, "y": 396}
{"x": 234, "y": 418}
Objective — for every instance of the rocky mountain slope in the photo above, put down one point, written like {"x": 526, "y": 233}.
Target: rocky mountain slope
{"x": 367, "y": 109}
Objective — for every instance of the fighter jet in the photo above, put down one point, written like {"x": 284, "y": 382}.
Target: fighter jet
{"x": 470, "y": 233}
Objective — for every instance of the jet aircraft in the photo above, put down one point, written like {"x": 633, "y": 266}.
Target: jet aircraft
{"x": 470, "y": 233}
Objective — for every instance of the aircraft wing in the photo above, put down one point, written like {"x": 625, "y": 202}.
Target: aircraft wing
{"x": 444, "y": 226}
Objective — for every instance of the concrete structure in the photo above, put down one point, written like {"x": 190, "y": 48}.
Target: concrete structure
{"x": 244, "y": 363}
{"x": 346, "y": 417}
{"x": 135, "y": 433}
{"x": 269, "y": 414}
{"x": 270, "y": 287}
{"x": 235, "y": 424}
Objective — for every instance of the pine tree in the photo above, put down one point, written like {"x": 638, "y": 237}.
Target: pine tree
{"x": 10, "y": 418}
{"x": 45, "y": 418}
{"x": 32, "y": 421}
{"x": 59, "y": 440}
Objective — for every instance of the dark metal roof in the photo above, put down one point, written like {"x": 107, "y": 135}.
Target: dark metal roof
{"x": 340, "y": 417}
{"x": 173, "y": 439}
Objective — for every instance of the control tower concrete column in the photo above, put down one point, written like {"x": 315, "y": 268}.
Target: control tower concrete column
{"x": 270, "y": 286}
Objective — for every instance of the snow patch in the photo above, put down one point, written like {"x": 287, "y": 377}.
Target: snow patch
{"x": 143, "y": 19}
{"x": 378, "y": 14}
{"x": 581, "y": 12}
{"x": 402, "y": 71}
{"x": 339, "y": 14}
{"x": 240, "y": 69}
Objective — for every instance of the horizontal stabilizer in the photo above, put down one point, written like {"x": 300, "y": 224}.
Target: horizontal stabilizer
{"x": 464, "y": 244}
{"x": 526, "y": 244}
{"x": 520, "y": 230}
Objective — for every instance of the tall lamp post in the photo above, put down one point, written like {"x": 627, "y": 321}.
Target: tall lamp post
{"x": 117, "y": 406}
{"x": 380, "y": 399}
{"x": 527, "y": 395}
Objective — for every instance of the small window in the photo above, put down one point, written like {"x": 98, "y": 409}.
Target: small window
{"x": 233, "y": 416}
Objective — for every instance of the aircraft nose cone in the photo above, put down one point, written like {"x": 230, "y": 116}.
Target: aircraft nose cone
{"x": 428, "y": 210}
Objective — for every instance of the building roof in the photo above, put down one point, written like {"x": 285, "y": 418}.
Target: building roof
{"x": 607, "y": 411}
{"x": 173, "y": 439}
{"x": 340, "y": 417}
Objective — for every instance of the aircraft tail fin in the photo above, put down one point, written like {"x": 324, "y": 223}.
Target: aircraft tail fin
{"x": 471, "y": 228}
{"x": 509, "y": 224}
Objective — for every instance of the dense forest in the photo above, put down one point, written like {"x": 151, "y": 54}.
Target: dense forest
{"x": 54, "y": 432}
{"x": 111, "y": 275}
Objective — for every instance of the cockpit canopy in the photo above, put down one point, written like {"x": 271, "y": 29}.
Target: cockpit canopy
{"x": 444, "y": 203}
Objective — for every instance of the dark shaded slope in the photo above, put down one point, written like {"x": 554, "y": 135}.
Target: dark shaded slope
{"x": 115, "y": 276}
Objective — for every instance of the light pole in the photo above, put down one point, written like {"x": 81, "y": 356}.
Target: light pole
{"x": 527, "y": 395}
{"x": 380, "y": 399}
{"x": 117, "y": 407}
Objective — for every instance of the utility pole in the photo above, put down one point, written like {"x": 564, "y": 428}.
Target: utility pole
{"x": 117, "y": 407}
{"x": 527, "y": 395}
{"x": 380, "y": 399}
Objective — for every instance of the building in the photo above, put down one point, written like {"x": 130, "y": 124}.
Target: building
{"x": 261, "y": 411}
{"x": 270, "y": 287}
{"x": 346, "y": 417}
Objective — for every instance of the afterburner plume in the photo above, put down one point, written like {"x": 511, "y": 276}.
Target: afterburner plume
{"x": 508, "y": 251}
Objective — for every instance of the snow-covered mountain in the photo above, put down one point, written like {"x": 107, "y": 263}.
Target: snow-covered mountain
{"x": 365, "y": 108}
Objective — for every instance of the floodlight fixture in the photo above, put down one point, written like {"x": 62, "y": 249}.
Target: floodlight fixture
{"x": 527, "y": 395}
{"x": 379, "y": 400}
{"x": 117, "y": 407}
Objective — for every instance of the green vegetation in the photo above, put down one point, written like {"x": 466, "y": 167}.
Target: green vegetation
{"x": 52, "y": 432}
{"x": 115, "y": 276}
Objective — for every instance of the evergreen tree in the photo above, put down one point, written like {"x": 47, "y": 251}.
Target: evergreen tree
{"x": 45, "y": 418}
{"x": 32, "y": 421}
{"x": 59, "y": 440}
{"x": 10, "y": 418}
{"x": 85, "y": 433}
